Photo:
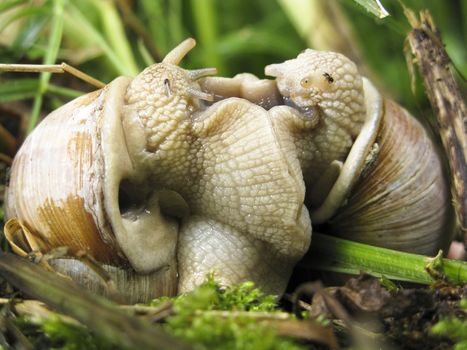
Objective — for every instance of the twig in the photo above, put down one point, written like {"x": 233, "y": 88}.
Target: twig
{"x": 52, "y": 68}
{"x": 36, "y": 311}
{"x": 445, "y": 97}
{"x": 97, "y": 313}
{"x": 282, "y": 324}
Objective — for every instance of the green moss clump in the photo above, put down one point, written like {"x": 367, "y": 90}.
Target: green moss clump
{"x": 66, "y": 336}
{"x": 58, "y": 335}
{"x": 193, "y": 322}
{"x": 454, "y": 328}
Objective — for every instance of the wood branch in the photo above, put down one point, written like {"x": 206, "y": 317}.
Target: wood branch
{"x": 97, "y": 313}
{"x": 446, "y": 99}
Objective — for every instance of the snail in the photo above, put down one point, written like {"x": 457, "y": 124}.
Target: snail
{"x": 173, "y": 174}
{"x": 371, "y": 171}
{"x": 160, "y": 188}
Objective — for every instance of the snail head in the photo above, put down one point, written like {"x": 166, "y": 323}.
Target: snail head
{"x": 164, "y": 94}
{"x": 328, "y": 80}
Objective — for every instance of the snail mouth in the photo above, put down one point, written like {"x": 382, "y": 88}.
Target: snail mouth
{"x": 262, "y": 92}
{"x": 307, "y": 111}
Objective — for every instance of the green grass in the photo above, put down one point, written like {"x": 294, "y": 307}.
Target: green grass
{"x": 109, "y": 38}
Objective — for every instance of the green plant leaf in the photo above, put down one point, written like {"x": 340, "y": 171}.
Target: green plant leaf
{"x": 26, "y": 12}
{"x": 74, "y": 14}
{"x": 6, "y": 5}
{"x": 18, "y": 89}
{"x": 374, "y": 7}
{"x": 115, "y": 34}
{"x": 53, "y": 46}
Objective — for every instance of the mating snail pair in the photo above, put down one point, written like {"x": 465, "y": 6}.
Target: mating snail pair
{"x": 161, "y": 185}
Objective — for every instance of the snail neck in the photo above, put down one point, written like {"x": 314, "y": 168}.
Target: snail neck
{"x": 160, "y": 103}
{"x": 330, "y": 141}
{"x": 346, "y": 113}
{"x": 164, "y": 129}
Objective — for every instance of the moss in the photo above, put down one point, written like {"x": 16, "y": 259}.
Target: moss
{"x": 71, "y": 337}
{"x": 193, "y": 323}
{"x": 454, "y": 328}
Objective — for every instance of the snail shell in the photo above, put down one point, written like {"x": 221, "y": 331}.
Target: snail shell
{"x": 69, "y": 172}
{"x": 401, "y": 200}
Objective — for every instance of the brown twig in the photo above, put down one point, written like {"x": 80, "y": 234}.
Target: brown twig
{"x": 97, "y": 313}
{"x": 52, "y": 68}
{"x": 445, "y": 97}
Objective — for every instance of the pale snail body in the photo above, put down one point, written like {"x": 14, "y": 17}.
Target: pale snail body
{"x": 222, "y": 187}
{"x": 148, "y": 174}
{"x": 372, "y": 173}
{"x": 390, "y": 189}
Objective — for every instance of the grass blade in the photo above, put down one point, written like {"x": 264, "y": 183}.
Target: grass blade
{"x": 115, "y": 34}
{"x": 18, "y": 89}
{"x": 374, "y": 7}
{"x": 50, "y": 57}
{"x": 93, "y": 35}
{"x": 9, "y": 4}
{"x": 206, "y": 29}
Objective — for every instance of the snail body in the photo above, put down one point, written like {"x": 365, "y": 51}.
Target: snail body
{"x": 372, "y": 172}
{"x": 160, "y": 189}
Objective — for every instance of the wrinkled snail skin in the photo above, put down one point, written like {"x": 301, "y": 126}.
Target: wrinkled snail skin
{"x": 399, "y": 198}
{"x": 138, "y": 173}
{"x": 327, "y": 89}
{"x": 226, "y": 164}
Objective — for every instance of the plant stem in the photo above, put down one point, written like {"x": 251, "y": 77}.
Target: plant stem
{"x": 334, "y": 254}
{"x": 97, "y": 313}
{"x": 49, "y": 58}
{"x": 206, "y": 29}
{"x": 63, "y": 91}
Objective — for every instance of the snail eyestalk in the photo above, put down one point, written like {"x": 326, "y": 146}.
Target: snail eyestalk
{"x": 177, "y": 54}
{"x": 200, "y": 94}
{"x": 201, "y": 73}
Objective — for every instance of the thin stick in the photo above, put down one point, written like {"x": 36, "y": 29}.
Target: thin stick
{"x": 447, "y": 102}
{"x": 52, "y": 68}
{"x": 97, "y": 313}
